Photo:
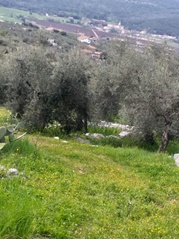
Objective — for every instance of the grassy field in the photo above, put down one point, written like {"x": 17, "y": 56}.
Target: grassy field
{"x": 67, "y": 189}
{"x": 11, "y": 15}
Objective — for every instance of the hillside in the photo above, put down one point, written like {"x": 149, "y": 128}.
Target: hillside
{"x": 68, "y": 184}
{"x": 138, "y": 15}
{"x": 86, "y": 191}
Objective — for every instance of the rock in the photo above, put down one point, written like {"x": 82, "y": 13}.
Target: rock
{"x": 115, "y": 125}
{"x": 95, "y": 135}
{"x": 176, "y": 158}
{"x": 56, "y": 138}
{"x": 124, "y": 134}
{"x": 81, "y": 171}
{"x": 88, "y": 134}
{"x": 12, "y": 172}
{"x": 64, "y": 141}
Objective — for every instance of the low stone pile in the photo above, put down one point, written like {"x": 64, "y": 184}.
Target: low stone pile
{"x": 126, "y": 130}
{"x": 11, "y": 172}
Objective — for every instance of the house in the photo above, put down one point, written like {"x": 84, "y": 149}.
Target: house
{"x": 84, "y": 39}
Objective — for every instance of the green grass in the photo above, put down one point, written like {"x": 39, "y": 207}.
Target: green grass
{"x": 4, "y": 116}
{"x": 126, "y": 142}
{"x": 11, "y": 15}
{"x": 103, "y": 130}
{"x": 73, "y": 190}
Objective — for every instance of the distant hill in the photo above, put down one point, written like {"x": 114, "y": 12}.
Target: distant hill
{"x": 156, "y": 16}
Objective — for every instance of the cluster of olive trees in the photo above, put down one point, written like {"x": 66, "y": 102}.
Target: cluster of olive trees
{"x": 143, "y": 88}
{"x": 42, "y": 86}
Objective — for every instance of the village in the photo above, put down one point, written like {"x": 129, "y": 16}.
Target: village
{"x": 90, "y": 31}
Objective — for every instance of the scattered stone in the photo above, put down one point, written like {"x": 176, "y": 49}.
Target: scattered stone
{"x": 64, "y": 141}
{"x": 176, "y": 158}
{"x": 114, "y": 125}
{"x": 81, "y": 171}
{"x": 12, "y": 172}
{"x": 56, "y": 138}
{"x": 95, "y": 135}
{"x": 124, "y": 134}
{"x": 126, "y": 129}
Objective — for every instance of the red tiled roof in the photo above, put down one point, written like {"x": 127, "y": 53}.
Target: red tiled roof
{"x": 82, "y": 37}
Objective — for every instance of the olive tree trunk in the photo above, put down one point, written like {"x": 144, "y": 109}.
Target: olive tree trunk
{"x": 164, "y": 140}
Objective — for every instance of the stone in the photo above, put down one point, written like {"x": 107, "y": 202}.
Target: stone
{"x": 95, "y": 135}
{"x": 56, "y": 138}
{"x": 115, "y": 125}
{"x": 12, "y": 172}
{"x": 64, "y": 141}
{"x": 176, "y": 158}
{"x": 124, "y": 134}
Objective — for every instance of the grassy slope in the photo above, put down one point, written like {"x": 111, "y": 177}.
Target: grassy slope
{"x": 74, "y": 190}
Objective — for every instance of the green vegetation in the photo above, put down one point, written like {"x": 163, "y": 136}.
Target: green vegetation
{"x": 12, "y": 15}
{"x": 4, "y": 115}
{"x": 16, "y": 15}
{"x": 103, "y": 130}
{"x": 42, "y": 84}
{"x": 83, "y": 191}
{"x": 73, "y": 186}
{"x": 86, "y": 191}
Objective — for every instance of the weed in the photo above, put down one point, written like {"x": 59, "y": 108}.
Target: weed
{"x": 104, "y": 130}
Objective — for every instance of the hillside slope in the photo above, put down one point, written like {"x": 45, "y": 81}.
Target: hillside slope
{"x": 74, "y": 190}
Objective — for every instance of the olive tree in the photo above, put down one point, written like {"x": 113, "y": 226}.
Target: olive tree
{"x": 114, "y": 77}
{"x": 28, "y": 73}
{"x": 72, "y": 93}
{"x": 43, "y": 87}
{"x": 152, "y": 102}
{"x": 143, "y": 86}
